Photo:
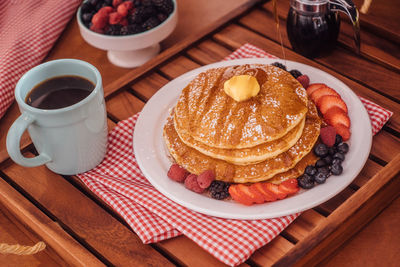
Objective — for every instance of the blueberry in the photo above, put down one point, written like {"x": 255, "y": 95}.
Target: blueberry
{"x": 343, "y": 148}
{"x": 336, "y": 169}
{"x": 93, "y": 2}
{"x": 336, "y": 161}
{"x": 331, "y": 150}
{"x": 86, "y": 7}
{"x": 320, "y": 178}
{"x": 310, "y": 170}
{"x": 87, "y": 17}
{"x": 295, "y": 73}
{"x": 306, "y": 181}
{"x": 321, "y": 150}
{"x": 279, "y": 65}
{"x": 338, "y": 139}
{"x": 320, "y": 163}
{"x": 328, "y": 159}
{"x": 339, "y": 155}
{"x": 325, "y": 171}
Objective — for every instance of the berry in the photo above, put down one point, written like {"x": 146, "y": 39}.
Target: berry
{"x": 295, "y": 73}
{"x": 324, "y": 170}
{"x": 320, "y": 178}
{"x": 205, "y": 178}
{"x": 114, "y": 18}
{"x": 86, "y": 8}
{"x": 114, "y": 30}
{"x": 304, "y": 80}
{"x": 191, "y": 184}
{"x": 332, "y": 150}
{"x": 141, "y": 14}
{"x": 343, "y": 148}
{"x": 323, "y": 91}
{"x": 177, "y": 173}
{"x": 135, "y": 28}
{"x": 239, "y": 196}
{"x": 328, "y": 101}
{"x": 87, "y": 17}
{"x": 122, "y": 10}
{"x": 94, "y": 2}
{"x": 150, "y": 23}
{"x": 328, "y": 135}
{"x": 306, "y": 181}
{"x": 161, "y": 17}
{"x": 313, "y": 87}
{"x": 116, "y": 3}
{"x": 164, "y": 6}
{"x": 335, "y": 116}
{"x": 99, "y": 20}
{"x": 268, "y": 195}
{"x": 320, "y": 163}
{"x": 321, "y": 150}
{"x": 338, "y": 140}
{"x": 339, "y": 156}
{"x": 328, "y": 159}
{"x": 343, "y": 131}
{"x": 336, "y": 169}
{"x": 336, "y": 161}
{"x": 279, "y": 65}
{"x": 275, "y": 190}
{"x": 219, "y": 189}
{"x": 310, "y": 170}
{"x": 289, "y": 186}
{"x": 106, "y": 10}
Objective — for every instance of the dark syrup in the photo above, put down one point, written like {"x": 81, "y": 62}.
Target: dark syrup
{"x": 312, "y": 36}
{"x": 59, "y": 92}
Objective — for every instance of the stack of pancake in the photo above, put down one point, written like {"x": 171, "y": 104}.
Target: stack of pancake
{"x": 266, "y": 137}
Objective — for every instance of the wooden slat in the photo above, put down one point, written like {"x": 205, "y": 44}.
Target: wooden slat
{"x": 13, "y": 232}
{"x": 234, "y": 36}
{"x": 341, "y": 60}
{"x": 208, "y": 52}
{"x": 273, "y": 251}
{"x": 304, "y": 224}
{"x": 354, "y": 213}
{"x": 372, "y": 45}
{"x": 123, "y": 105}
{"x": 148, "y": 85}
{"x": 178, "y": 66}
{"x": 70, "y": 250}
{"x": 89, "y": 222}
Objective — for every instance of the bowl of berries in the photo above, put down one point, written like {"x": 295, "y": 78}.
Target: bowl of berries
{"x": 130, "y": 30}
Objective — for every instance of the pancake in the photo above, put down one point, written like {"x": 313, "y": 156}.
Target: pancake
{"x": 196, "y": 162}
{"x": 208, "y": 115}
{"x": 245, "y": 156}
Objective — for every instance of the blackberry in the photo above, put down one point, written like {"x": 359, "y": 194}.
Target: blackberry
{"x": 135, "y": 28}
{"x": 147, "y": 3}
{"x": 279, "y": 65}
{"x": 87, "y": 17}
{"x": 113, "y": 30}
{"x": 219, "y": 190}
{"x": 141, "y": 14}
{"x": 86, "y": 7}
{"x": 94, "y": 2}
{"x": 108, "y": 2}
{"x": 164, "y": 6}
{"x": 295, "y": 73}
{"x": 150, "y": 23}
{"x": 161, "y": 17}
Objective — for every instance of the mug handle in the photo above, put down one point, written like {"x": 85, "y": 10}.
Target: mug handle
{"x": 14, "y": 138}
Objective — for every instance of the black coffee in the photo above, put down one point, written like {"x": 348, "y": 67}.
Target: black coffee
{"x": 59, "y": 92}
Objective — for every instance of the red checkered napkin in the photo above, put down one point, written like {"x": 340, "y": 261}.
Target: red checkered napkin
{"x": 119, "y": 182}
{"x": 28, "y": 31}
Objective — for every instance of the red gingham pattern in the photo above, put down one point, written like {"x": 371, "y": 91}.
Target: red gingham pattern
{"x": 28, "y": 31}
{"x": 120, "y": 183}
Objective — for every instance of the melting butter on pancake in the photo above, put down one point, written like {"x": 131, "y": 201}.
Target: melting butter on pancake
{"x": 208, "y": 115}
{"x": 197, "y": 162}
{"x": 245, "y": 156}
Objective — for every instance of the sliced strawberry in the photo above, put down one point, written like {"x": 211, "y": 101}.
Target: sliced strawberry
{"x": 239, "y": 196}
{"x": 329, "y": 101}
{"x": 253, "y": 194}
{"x": 268, "y": 195}
{"x": 289, "y": 187}
{"x": 328, "y": 135}
{"x": 317, "y": 94}
{"x": 275, "y": 190}
{"x": 336, "y": 115}
{"x": 343, "y": 131}
{"x": 314, "y": 86}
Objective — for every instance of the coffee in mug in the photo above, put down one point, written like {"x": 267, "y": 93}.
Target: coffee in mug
{"x": 63, "y": 109}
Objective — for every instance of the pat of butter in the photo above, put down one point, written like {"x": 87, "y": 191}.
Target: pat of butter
{"x": 241, "y": 87}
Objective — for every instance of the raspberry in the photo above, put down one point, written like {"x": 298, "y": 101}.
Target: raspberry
{"x": 99, "y": 20}
{"x": 116, "y": 3}
{"x": 105, "y": 10}
{"x": 205, "y": 178}
{"x": 114, "y": 18}
{"x": 123, "y": 10}
{"x": 328, "y": 135}
{"x": 304, "y": 80}
{"x": 177, "y": 173}
{"x": 191, "y": 184}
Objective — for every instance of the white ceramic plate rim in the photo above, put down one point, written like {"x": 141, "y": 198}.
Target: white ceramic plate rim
{"x": 152, "y": 155}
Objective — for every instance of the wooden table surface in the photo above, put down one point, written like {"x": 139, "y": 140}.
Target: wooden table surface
{"x": 79, "y": 229}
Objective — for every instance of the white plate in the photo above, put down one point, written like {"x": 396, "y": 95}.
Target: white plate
{"x": 152, "y": 155}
